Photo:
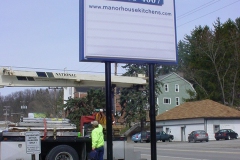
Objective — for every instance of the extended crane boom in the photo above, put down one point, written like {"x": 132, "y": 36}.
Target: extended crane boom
{"x": 17, "y": 78}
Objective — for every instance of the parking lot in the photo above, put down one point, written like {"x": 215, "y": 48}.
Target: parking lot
{"x": 212, "y": 150}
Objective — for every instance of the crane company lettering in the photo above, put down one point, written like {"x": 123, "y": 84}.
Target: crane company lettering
{"x": 66, "y": 74}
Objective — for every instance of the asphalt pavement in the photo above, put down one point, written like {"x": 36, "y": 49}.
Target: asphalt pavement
{"x": 212, "y": 150}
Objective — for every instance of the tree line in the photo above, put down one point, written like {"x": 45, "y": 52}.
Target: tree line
{"x": 210, "y": 59}
{"x": 47, "y": 101}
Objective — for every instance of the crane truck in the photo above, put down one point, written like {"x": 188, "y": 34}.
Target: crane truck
{"x": 46, "y": 138}
{"x": 58, "y": 139}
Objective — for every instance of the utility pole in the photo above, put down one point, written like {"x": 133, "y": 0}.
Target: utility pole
{"x": 23, "y": 108}
{"x": 6, "y": 114}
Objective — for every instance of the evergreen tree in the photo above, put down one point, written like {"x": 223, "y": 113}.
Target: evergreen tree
{"x": 135, "y": 101}
{"x": 77, "y": 107}
{"x": 209, "y": 59}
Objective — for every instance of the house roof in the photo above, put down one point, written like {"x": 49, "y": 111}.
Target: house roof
{"x": 199, "y": 109}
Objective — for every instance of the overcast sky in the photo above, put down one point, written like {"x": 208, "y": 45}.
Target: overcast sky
{"x": 45, "y": 34}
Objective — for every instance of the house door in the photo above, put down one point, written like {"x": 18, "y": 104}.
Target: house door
{"x": 167, "y": 130}
{"x": 183, "y": 136}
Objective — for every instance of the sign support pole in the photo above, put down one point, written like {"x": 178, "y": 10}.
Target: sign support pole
{"x": 108, "y": 109}
{"x": 33, "y": 157}
{"x": 152, "y": 112}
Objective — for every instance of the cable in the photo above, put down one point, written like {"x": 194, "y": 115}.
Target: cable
{"x": 86, "y": 66}
{"x": 51, "y": 69}
{"x": 54, "y": 69}
{"x": 196, "y": 9}
{"x": 208, "y": 13}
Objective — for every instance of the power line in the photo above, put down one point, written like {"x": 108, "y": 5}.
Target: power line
{"x": 209, "y": 13}
{"x": 52, "y": 69}
{"x": 196, "y": 9}
{"x": 87, "y": 66}
{"x": 64, "y": 70}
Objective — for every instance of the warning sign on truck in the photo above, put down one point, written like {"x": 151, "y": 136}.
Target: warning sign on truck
{"x": 33, "y": 143}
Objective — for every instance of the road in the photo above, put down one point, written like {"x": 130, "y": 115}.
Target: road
{"x": 212, "y": 150}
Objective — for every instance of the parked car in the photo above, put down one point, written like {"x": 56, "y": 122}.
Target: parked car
{"x": 160, "y": 136}
{"x": 145, "y": 136}
{"x": 136, "y": 137}
{"x": 163, "y": 136}
{"x": 226, "y": 134}
{"x": 199, "y": 135}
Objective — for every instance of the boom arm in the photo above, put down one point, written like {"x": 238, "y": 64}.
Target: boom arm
{"x": 10, "y": 78}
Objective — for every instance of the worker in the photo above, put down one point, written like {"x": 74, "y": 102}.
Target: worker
{"x": 97, "y": 139}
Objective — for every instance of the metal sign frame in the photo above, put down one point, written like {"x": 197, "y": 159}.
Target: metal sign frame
{"x": 128, "y": 31}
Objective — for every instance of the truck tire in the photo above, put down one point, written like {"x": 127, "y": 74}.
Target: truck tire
{"x": 62, "y": 152}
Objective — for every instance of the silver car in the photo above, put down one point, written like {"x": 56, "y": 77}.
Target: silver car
{"x": 199, "y": 135}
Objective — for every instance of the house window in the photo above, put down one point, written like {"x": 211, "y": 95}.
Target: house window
{"x": 166, "y": 100}
{"x": 176, "y": 88}
{"x": 166, "y": 87}
{"x": 177, "y": 101}
{"x": 216, "y": 128}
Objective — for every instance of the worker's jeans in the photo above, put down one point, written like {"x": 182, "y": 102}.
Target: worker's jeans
{"x": 100, "y": 151}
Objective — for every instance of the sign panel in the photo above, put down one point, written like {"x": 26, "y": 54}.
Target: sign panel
{"x": 33, "y": 143}
{"x": 128, "y": 31}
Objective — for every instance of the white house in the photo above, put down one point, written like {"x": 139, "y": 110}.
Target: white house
{"x": 199, "y": 115}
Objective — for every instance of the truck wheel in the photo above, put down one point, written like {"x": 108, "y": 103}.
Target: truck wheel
{"x": 62, "y": 152}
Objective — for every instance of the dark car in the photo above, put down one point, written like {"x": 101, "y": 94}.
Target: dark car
{"x": 226, "y": 134}
{"x": 145, "y": 136}
{"x": 160, "y": 136}
{"x": 163, "y": 136}
{"x": 199, "y": 135}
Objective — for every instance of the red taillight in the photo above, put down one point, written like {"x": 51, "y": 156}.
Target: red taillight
{"x": 224, "y": 134}
{"x": 196, "y": 135}
{"x": 206, "y": 134}
{"x": 136, "y": 136}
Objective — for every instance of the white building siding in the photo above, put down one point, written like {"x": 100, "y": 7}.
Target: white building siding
{"x": 175, "y": 131}
{"x": 180, "y": 122}
{"x": 224, "y": 124}
{"x": 181, "y": 128}
{"x": 68, "y": 92}
{"x": 180, "y": 132}
{"x": 210, "y": 128}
